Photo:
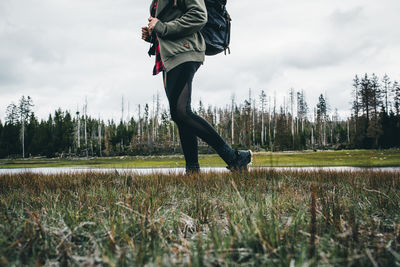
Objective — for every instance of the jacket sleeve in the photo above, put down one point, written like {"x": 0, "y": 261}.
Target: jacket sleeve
{"x": 190, "y": 22}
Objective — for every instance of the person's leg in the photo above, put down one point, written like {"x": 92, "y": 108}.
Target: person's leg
{"x": 188, "y": 139}
{"x": 189, "y": 147}
{"x": 179, "y": 86}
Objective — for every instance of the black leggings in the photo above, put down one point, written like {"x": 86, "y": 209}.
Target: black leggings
{"x": 179, "y": 89}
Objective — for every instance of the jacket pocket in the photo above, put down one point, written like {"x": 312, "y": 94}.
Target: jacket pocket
{"x": 170, "y": 48}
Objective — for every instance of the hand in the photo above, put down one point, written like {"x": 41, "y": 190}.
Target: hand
{"x": 152, "y": 23}
{"x": 145, "y": 33}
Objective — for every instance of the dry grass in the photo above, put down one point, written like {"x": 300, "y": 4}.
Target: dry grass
{"x": 218, "y": 219}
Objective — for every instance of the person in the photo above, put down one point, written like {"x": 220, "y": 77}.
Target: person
{"x": 179, "y": 49}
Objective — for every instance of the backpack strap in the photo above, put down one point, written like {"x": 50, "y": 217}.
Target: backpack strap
{"x": 162, "y": 12}
{"x": 228, "y": 21}
{"x": 171, "y": 3}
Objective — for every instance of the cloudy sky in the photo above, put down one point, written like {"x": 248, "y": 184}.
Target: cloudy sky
{"x": 61, "y": 51}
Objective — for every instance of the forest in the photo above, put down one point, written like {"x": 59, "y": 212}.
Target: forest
{"x": 257, "y": 123}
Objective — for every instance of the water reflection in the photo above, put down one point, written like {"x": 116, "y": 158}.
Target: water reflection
{"x": 143, "y": 171}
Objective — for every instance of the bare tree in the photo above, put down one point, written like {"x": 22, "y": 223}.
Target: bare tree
{"x": 157, "y": 115}
{"x": 24, "y": 109}
{"x": 254, "y": 121}
{"x": 99, "y": 130}
{"x": 139, "y": 130}
{"x": 78, "y": 128}
{"x": 128, "y": 116}
{"x": 269, "y": 122}
{"x": 152, "y": 120}
{"x": 85, "y": 114}
{"x": 263, "y": 97}
{"x": 275, "y": 117}
{"x": 386, "y": 91}
{"x": 252, "y": 114}
{"x": 122, "y": 120}
{"x": 233, "y": 119}
{"x": 146, "y": 124}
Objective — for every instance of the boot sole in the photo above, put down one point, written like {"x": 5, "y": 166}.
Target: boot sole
{"x": 251, "y": 160}
{"x": 244, "y": 168}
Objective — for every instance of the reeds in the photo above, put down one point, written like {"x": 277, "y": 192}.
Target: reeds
{"x": 263, "y": 217}
{"x": 313, "y": 226}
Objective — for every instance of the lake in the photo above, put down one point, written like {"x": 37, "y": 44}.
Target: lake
{"x": 57, "y": 170}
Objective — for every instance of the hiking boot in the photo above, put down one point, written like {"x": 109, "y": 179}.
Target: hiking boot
{"x": 192, "y": 169}
{"x": 189, "y": 172}
{"x": 243, "y": 158}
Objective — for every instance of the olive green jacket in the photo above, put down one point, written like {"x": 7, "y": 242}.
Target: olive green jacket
{"x": 178, "y": 31}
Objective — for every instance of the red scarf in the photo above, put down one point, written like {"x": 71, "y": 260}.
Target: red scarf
{"x": 159, "y": 66}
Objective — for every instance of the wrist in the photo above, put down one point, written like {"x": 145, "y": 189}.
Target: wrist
{"x": 159, "y": 27}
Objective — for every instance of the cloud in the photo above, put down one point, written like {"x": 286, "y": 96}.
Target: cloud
{"x": 327, "y": 53}
{"x": 60, "y": 52}
{"x": 345, "y": 17}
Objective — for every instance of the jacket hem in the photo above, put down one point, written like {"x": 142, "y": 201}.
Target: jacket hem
{"x": 180, "y": 58}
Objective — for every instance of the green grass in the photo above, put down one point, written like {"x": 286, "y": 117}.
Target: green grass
{"x": 213, "y": 219}
{"x": 356, "y": 158}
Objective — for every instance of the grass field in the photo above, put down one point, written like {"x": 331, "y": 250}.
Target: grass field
{"x": 356, "y": 158}
{"x": 287, "y": 218}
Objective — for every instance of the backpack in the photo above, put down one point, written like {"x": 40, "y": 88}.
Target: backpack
{"x": 217, "y": 31}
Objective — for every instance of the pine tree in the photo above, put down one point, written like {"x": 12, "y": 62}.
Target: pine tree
{"x": 366, "y": 96}
{"x": 321, "y": 118}
{"x": 396, "y": 97}
{"x": 356, "y": 105}
{"x": 291, "y": 99}
{"x": 302, "y": 108}
{"x": 376, "y": 95}
{"x": 12, "y": 114}
{"x": 374, "y": 130}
